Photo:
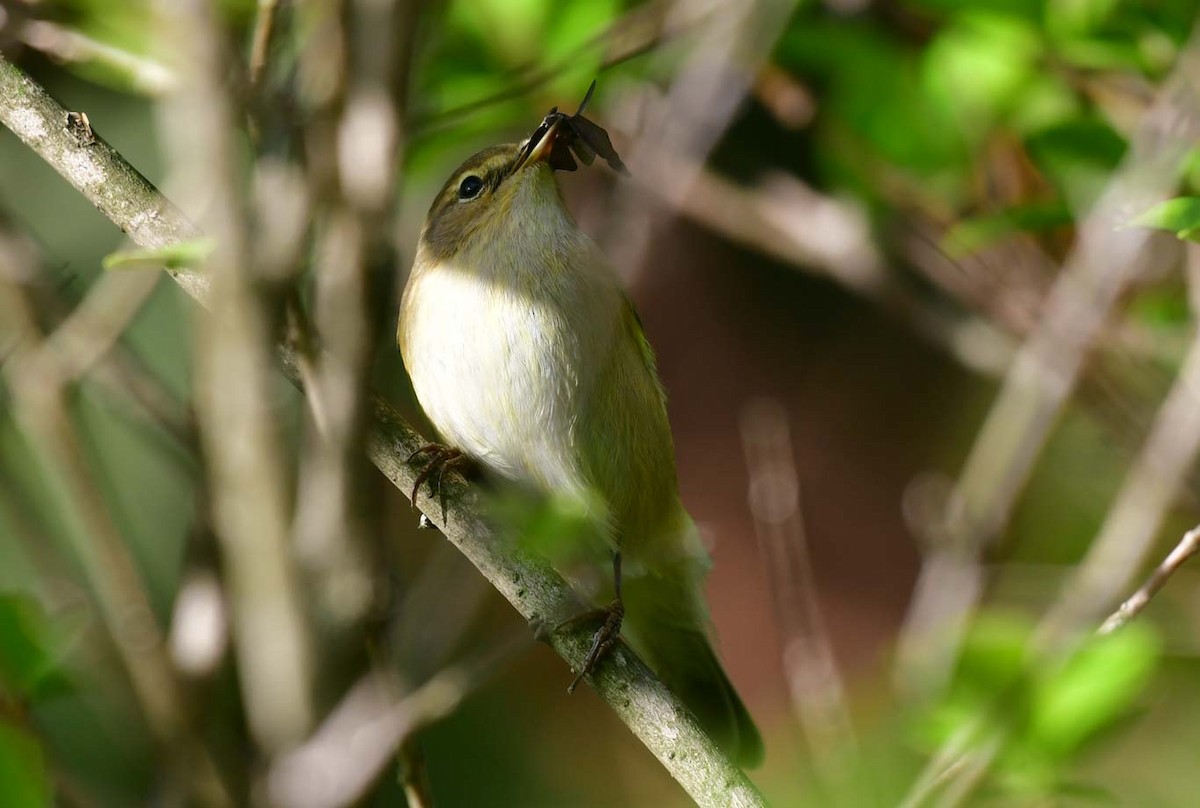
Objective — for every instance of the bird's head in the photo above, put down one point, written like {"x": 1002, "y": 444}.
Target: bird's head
{"x": 496, "y": 193}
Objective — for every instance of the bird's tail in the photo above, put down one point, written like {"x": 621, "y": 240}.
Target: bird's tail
{"x": 666, "y": 622}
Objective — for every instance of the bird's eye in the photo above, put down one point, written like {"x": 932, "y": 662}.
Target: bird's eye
{"x": 470, "y": 187}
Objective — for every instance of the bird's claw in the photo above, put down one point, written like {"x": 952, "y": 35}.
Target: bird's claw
{"x": 604, "y": 639}
{"x": 441, "y": 459}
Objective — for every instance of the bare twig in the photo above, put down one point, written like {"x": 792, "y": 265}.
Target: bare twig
{"x": 1188, "y": 546}
{"x": 260, "y": 43}
{"x": 144, "y": 75}
{"x": 415, "y": 776}
{"x": 529, "y": 583}
{"x": 96, "y": 324}
{"x": 348, "y": 752}
{"x": 637, "y": 31}
{"x": 1040, "y": 381}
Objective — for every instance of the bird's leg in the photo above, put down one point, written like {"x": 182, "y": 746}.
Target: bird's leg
{"x": 441, "y": 459}
{"x": 610, "y": 630}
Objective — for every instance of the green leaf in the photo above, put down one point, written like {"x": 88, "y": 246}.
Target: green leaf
{"x": 184, "y": 255}
{"x": 1180, "y": 216}
{"x": 1067, "y": 17}
{"x": 511, "y": 30}
{"x": 993, "y": 668}
{"x": 24, "y": 780}
{"x": 572, "y": 27}
{"x": 979, "y": 66}
{"x": 1093, "y": 689}
{"x": 29, "y": 649}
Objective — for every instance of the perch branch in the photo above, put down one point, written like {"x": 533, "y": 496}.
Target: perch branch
{"x": 651, "y": 711}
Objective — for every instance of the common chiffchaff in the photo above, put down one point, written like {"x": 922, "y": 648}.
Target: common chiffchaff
{"x": 528, "y": 357}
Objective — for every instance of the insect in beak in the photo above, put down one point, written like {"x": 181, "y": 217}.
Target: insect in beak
{"x": 559, "y": 135}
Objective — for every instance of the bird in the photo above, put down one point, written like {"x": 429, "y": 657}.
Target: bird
{"x": 530, "y": 361}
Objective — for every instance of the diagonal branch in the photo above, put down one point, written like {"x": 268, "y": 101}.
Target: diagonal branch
{"x": 651, "y": 711}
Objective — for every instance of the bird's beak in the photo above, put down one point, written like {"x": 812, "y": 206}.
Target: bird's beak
{"x": 539, "y": 147}
{"x": 541, "y": 150}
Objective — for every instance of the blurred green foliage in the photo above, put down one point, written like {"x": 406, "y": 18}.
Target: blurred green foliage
{"x": 1038, "y": 714}
{"x": 30, "y": 650}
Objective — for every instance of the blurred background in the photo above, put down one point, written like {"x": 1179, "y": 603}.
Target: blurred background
{"x": 925, "y": 325}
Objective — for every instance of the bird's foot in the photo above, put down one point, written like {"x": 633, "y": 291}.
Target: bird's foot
{"x": 440, "y": 460}
{"x": 604, "y": 639}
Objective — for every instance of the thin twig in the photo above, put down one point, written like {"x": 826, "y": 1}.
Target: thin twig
{"x": 415, "y": 775}
{"x": 144, "y": 75}
{"x": 87, "y": 342}
{"x": 1188, "y": 546}
{"x": 338, "y": 764}
{"x": 654, "y": 714}
{"x": 97, "y": 323}
{"x": 638, "y": 31}
{"x": 260, "y": 43}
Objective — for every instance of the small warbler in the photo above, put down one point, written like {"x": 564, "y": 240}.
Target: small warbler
{"x": 530, "y": 360}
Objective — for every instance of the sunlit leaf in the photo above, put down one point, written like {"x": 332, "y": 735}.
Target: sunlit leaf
{"x": 1180, "y": 216}
{"x": 993, "y": 669}
{"x": 1100, "y": 54}
{"x": 183, "y": 255}
{"x": 979, "y": 65}
{"x": 512, "y": 30}
{"x": 1094, "y": 688}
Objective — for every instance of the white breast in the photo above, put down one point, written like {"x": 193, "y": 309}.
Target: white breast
{"x": 502, "y": 360}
